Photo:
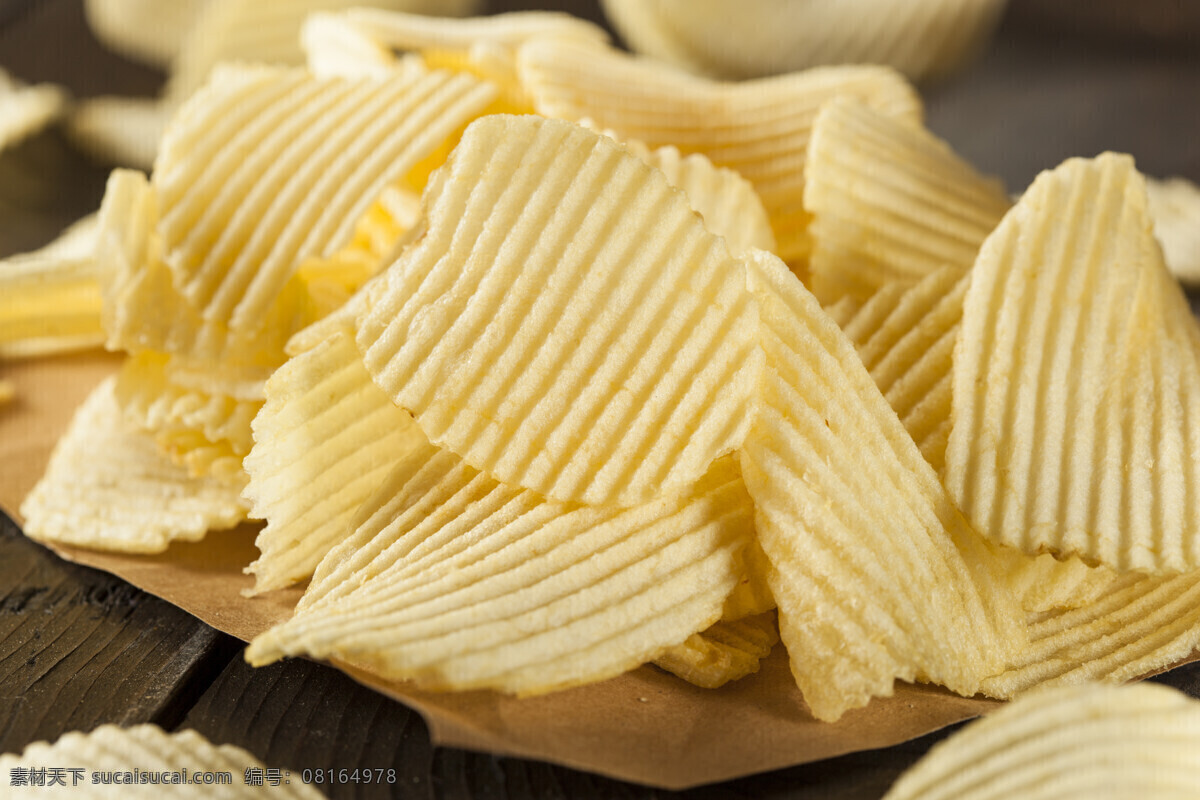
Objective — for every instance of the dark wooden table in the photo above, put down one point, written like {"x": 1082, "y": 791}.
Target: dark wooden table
{"x": 79, "y": 648}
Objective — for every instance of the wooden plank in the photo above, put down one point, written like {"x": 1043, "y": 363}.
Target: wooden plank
{"x": 298, "y": 715}
{"x": 79, "y": 648}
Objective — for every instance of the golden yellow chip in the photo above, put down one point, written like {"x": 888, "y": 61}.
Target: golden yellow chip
{"x": 760, "y": 128}
{"x": 728, "y": 651}
{"x": 876, "y": 574}
{"x": 109, "y": 487}
{"x": 143, "y": 310}
{"x": 515, "y": 593}
{"x": 905, "y": 335}
{"x": 143, "y": 30}
{"x": 50, "y": 299}
{"x": 119, "y": 130}
{"x": 155, "y": 403}
{"x": 767, "y": 37}
{"x": 25, "y": 110}
{"x": 269, "y": 33}
{"x": 1076, "y": 389}
{"x": 324, "y": 441}
{"x": 110, "y": 760}
{"x": 752, "y": 596}
{"x": 7, "y": 391}
{"x": 725, "y": 200}
{"x": 1062, "y": 744}
{"x": 890, "y": 201}
{"x": 266, "y": 167}
{"x": 363, "y": 40}
{"x": 566, "y": 323}
{"x": 1134, "y": 626}
{"x": 1175, "y": 208}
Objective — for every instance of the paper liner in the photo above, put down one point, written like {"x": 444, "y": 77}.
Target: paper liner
{"x": 646, "y": 726}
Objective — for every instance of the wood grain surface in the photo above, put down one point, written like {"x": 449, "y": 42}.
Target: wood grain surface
{"x": 79, "y": 648}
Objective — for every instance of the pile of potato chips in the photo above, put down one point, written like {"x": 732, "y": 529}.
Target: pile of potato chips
{"x": 541, "y": 362}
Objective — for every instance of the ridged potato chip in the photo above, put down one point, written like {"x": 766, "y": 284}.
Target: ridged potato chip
{"x": 1076, "y": 388}
{"x": 324, "y": 441}
{"x": 889, "y": 202}
{"x": 1175, "y": 207}
{"x": 1134, "y": 626}
{"x": 877, "y": 575}
{"x": 905, "y": 335}
{"x": 50, "y": 299}
{"x": 25, "y": 110}
{"x": 119, "y": 130}
{"x": 266, "y": 167}
{"x": 725, "y": 200}
{"x": 183, "y": 419}
{"x": 566, "y": 323}
{"x": 495, "y": 587}
{"x": 364, "y": 41}
{"x": 760, "y": 128}
{"x": 150, "y": 31}
{"x": 1087, "y": 741}
{"x": 111, "y": 759}
{"x": 728, "y": 651}
{"x": 767, "y": 37}
{"x": 109, "y": 487}
{"x": 269, "y": 33}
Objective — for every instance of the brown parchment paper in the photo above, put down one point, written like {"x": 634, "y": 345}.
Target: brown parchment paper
{"x": 646, "y": 726}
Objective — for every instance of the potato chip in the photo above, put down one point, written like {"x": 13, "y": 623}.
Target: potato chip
{"x": 119, "y": 130}
{"x": 1175, "y": 208}
{"x": 363, "y": 40}
{"x": 725, "y": 200}
{"x": 905, "y": 335}
{"x": 269, "y": 33}
{"x": 1076, "y": 391}
{"x": 334, "y": 47}
{"x": 845, "y": 308}
{"x": 1086, "y": 741}
{"x": 7, "y": 391}
{"x": 109, "y": 487}
{"x": 25, "y": 110}
{"x": 149, "y": 31}
{"x": 767, "y": 37}
{"x": 876, "y": 574}
{"x": 728, "y": 651}
{"x": 154, "y": 403}
{"x": 324, "y": 441}
{"x": 889, "y": 201}
{"x": 752, "y": 596}
{"x": 566, "y": 323}
{"x": 519, "y": 594}
{"x": 111, "y": 759}
{"x": 265, "y": 168}
{"x": 1136, "y": 625}
{"x": 50, "y": 298}
{"x": 759, "y": 128}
